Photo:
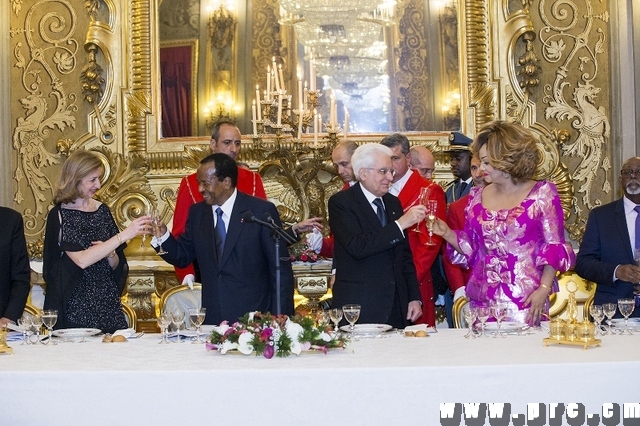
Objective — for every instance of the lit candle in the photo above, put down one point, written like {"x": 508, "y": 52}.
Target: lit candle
{"x": 315, "y": 127}
{"x": 279, "y": 108}
{"x": 300, "y": 101}
{"x": 300, "y": 127}
{"x": 280, "y": 77}
{"x": 332, "y": 107}
{"x": 268, "y": 94}
{"x": 258, "y": 104}
{"x": 346, "y": 123}
{"x": 275, "y": 75}
{"x": 319, "y": 123}
{"x": 312, "y": 74}
{"x": 255, "y": 118}
{"x": 258, "y": 94}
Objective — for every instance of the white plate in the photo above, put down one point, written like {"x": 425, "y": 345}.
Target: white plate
{"x": 76, "y": 333}
{"x": 367, "y": 329}
{"x": 506, "y": 326}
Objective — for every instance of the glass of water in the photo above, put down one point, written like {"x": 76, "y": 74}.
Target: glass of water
{"x": 351, "y": 314}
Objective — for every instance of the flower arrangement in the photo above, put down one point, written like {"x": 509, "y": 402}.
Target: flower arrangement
{"x": 268, "y": 335}
{"x": 302, "y": 252}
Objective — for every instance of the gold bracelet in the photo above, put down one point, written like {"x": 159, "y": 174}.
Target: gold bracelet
{"x": 119, "y": 239}
{"x": 545, "y": 286}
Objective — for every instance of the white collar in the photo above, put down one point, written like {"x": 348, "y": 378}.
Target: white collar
{"x": 227, "y": 206}
{"x": 396, "y": 187}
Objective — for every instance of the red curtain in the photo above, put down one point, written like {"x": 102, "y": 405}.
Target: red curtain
{"x": 175, "y": 87}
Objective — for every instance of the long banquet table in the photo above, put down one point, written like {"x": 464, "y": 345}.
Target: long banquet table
{"x": 391, "y": 380}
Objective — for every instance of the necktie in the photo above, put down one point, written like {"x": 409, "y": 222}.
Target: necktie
{"x": 382, "y": 216}
{"x": 463, "y": 186}
{"x": 637, "y": 231}
{"x": 221, "y": 234}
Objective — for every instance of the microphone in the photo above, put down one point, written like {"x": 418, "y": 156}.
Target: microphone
{"x": 267, "y": 218}
{"x": 248, "y": 217}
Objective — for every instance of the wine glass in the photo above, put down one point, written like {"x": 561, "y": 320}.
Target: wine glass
{"x": 499, "y": 311}
{"x": 335, "y": 314}
{"x": 432, "y": 206}
{"x": 144, "y": 235}
{"x": 470, "y": 316}
{"x": 24, "y": 325}
{"x": 609, "y": 310}
{"x": 597, "y": 314}
{"x": 196, "y": 315}
{"x": 49, "y": 319}
{"x": 422, "y": 200}
{"x": 164, "y": 321}
{"x": 156, "y": 221}
{"x": 351, "y": 314}
{"x": 177, "y": 318}
{"x": 484, "y": 312}
{"x": 626, "y": 307}
{"x": 36, "y": 320}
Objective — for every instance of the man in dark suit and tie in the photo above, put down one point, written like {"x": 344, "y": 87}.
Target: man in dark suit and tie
{"x": 236, "y": 258}
{"x": 460, "y": 157}
{"x": 610, "y": 240}
{"x": 374, "y": 267}
{"x": 14, "y": 267}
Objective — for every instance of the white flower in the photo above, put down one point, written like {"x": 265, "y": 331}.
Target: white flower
{"x": 244, "y": 343}
{"x": 325, "y": 336}
{"x": 228, "y": 346}
{"x": 222, "y": 328}
{"x": 251, "y": 315}
{"x": 293, "y": 331}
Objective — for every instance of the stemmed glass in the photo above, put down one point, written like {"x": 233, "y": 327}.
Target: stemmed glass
{"x": 156, "y": 221}
{"x": 422, "y": 200}
{"x": 144, "y": 236}
{"x": 432, "y": 206}
{"x": 177, "y": 318}
{"x": 351, "y": 314}
{"x": 609, "y": 310}
{"x": 626, "y": 307}
{"x": 597, "y": 314}
{"x": 25, "y": 324}
{"x": 335, "y": 314}
{"x": 36, "y": 320}
{"x": 470, "y": 316}
{"x": 164, "y": 321}
{"x": 499, "y": 311}
{"x": 484, "y": 312}
{"x": 49, "y": 319}
{"x": 196, "y": 315}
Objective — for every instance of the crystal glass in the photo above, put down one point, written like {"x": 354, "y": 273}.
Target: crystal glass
{"x": 422, "y": 200}
{"x": 335, "y": 314}
{"x": 484, "y": 312}
{"x": 49, "y": 319}
{"x": 626, "y": 307}
{"x": 351, "y": 314}
{"x": 36, "y": 320}
{"x": 196, "y": 315}
{"x": 470, "y": 316}
{"x": 609, "y": 310}
{"x": 177, "y": 318}
{"x": 147, "y": 212}
{"x": 156, "y": 221}
{"x": 432, "y": 207}
{"x": 24, "y": 325}
{"x": 164, "y": 321}
{"x": 597, "y": 314}
{"x": 498, "y": 311}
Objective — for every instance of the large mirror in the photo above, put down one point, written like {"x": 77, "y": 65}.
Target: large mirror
{"x": 393, "y": 65}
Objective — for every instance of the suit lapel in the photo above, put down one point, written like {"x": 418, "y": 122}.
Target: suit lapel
{"x": 390, "y": 204}
{"x": 206, "y": 226}
{"x": 365, "y": 206}
{"x": 235, "y": 227}
{"x": 621, "y": 225}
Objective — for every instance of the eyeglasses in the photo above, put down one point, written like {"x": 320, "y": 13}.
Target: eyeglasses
{"x": 629, "y": 173}
{"x": 425, "y": 171}
{"x": 382, "y": 171}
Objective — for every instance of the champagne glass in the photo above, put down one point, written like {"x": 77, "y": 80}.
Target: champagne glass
{"x": 335, "y": 314}
{"x": 432, "y": 206}
{"x": 36, "y": 320}
{"x": 156, "y": 221}
{"x": 49, "y": 319}
{"x": 626, "y": 307}
{"x": 484, "y": 312}
{"x": 351, "y": 314}
{"x": 470, "y": 316}
{"x": 499, "y": 311}
{"x": 24, "y": 324}
{"x": 597, "y": 314}
{"x": 164, "y": 321}
{"x": 609, "y": 310}
{"x": 177, "y": 318}
{"x": 422, "y": 200}
{"x": 196, "y": 315}
{"x": 144, "y": 236}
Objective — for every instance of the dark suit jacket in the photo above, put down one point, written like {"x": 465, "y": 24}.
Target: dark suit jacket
{"x": 372, "y": 262}
{"x": 245, "y": 279}
{"x": 14, "y": 265}
{"x": 452, "y": 189}
{"x": 605, "y": 245}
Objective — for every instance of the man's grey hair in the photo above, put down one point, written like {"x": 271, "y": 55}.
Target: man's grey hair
{"x": 365, "y": 156}
{"x": 396, "y": 139}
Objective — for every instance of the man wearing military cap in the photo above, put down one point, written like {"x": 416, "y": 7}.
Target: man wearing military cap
{"x": 460, "y": 157}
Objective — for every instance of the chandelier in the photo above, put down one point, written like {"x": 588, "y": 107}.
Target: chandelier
{"x": 323, "y": 12}
{"x": 355, "y": 35}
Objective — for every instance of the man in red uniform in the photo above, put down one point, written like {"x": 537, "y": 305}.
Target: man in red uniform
{"x": 456, "y": 275}
{"x": 406, "y": 186}
{"x": 225, "y": 139}
{"x": 422, "y": 161}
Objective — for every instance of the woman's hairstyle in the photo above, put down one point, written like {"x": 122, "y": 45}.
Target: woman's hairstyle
{"x": 79, "y": 165}
{"x": 511, "y": 148}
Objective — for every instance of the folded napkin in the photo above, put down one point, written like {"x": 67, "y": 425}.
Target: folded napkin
{"x": 14, "y": 336}
{"x": 420, "y": 327}
{"x": 129, "y": 333}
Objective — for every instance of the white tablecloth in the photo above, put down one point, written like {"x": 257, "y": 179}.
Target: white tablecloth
{"x": 388, "y": 381}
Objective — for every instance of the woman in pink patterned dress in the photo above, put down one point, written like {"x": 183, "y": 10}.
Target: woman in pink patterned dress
{"x": 513, "y": 236}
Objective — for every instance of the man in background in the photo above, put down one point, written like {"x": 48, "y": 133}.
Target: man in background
{"x": 422, "y": 161}
{"x": 406, "y": 185}
{"x": 15, "y": 272}
{"x": 460, "y": 158}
